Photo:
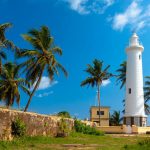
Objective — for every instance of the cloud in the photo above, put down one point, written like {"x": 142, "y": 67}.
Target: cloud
{"x": 134, "y": 16}
{"x": 106, "y": 82}
{"x": 78, "y": 5}
{"x": 45, "y": 83}
{"x": 44, "y": 94}
{"x": 89, "y": 6}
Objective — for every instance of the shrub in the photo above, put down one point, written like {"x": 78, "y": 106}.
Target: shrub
{"x": 63, "y": 130}
{"x": 86, "y": 129}
{"x": 18, "y": 128}
{"x": 64, "y": 114}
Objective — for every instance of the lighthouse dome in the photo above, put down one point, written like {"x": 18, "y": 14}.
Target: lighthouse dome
{"x": 134, "y": 40}
{"x": 134, "y": 43}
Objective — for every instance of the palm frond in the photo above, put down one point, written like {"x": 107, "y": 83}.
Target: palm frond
{"x": 56, "y": 50}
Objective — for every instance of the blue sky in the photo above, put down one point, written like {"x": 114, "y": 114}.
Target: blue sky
{"x": 85, "y": 30}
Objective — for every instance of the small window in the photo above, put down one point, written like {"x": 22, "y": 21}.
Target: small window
{"x": 101, "y": 112}
{"x": 129, "y": 90}
{"x": 139, "y": 57}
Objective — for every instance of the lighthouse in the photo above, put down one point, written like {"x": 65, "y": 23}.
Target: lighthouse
{"x": 134, "y": 102}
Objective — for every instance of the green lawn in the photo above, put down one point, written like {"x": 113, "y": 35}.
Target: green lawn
{"x": 74, "y": 141}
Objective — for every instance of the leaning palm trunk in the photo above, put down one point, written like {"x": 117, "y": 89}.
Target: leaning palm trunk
{"x": 36, "y": 86}
{"x": 99, "y": 104}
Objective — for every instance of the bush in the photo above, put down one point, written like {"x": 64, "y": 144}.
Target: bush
{"x": 18, "y": 128}
{"x": 63, "y": 128}
{"x": 86, "y": 129}
{"x": 64, "y": 114}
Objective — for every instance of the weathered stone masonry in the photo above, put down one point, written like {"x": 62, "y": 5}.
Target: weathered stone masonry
{"x": 36, "y": 124}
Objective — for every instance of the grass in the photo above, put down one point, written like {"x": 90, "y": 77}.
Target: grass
{"x": 74, "y": 141}
{"x": 141, "y": 145}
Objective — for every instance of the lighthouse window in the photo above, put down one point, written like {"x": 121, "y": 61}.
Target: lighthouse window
{"x": 139, "y": 57}
{"x": 129, "y": 90}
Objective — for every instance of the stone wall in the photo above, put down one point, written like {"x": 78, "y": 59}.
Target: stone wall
{"x": 124, "y": 129}
{"x": 36, "y": 124}
{"x": 112, "y": 129}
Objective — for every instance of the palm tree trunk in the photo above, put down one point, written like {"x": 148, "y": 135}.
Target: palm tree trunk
{"x": 99, "y": 104}
{"x": 36, "y": 86}
{"x": 0, "y": 66}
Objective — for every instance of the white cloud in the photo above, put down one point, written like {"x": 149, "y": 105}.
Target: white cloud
{"x": 134, "y": 16}
{"x": 106, "y": 82}
{"x": 89, "y": 6}
{"x": 44, "y": 94}
{"x": 78, "y": 5}
{"x": 45, "y": 83}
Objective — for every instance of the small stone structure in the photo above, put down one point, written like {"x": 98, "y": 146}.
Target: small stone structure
{"x": 36, "y": 124}
{"x": 104, "y": 115}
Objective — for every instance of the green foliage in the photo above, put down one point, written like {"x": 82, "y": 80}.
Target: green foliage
{"x": 115, "y": 119}
{"x": 144, "y": 142}
{"x": 63, "y": 128}
{"x": 10, "y": 83}
{"x": 96, "y": 75}
{"x": 141, "y": 145}
{"x": 41, "y": 58}
{"x": 18, "y": 128}
{"x": 86, "y": 129}
{"x": 108, "y": 142}
{"x": 147, "y": 95}
{"x": 121, "y": 77}
{"x": 64, "y": 114}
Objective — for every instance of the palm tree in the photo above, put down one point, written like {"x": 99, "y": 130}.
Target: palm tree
{"x": 4, "y": 42}
{"x": 121, "y": 78}
{"x": 96, "y": 76}
{"x": 147, "y": 94}
{"x": 41, "y": 58}
{"x": 10, "y": 82}
{"x": 115, "y": 118}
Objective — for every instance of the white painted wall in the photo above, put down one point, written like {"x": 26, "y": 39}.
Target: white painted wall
{"x": 134, "y": 105}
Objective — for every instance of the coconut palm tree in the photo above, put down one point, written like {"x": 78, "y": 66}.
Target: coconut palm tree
{"x": 121, "y": 78}
{"x": 147, "y": 94}
{"x": 41, "y": 58}
{"x": 3, "y": 28}
{"x": 4, "y": 42}
{"x": 115, "y": 118}
{"x": 10, "y": 82}
{"x": 96, "y": 76}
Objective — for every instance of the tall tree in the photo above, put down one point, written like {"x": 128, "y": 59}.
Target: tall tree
{"x": 96, "y": 76}
{"x": 41, "y": 58}
{"x": 121, "y": 78}
{"x": 4, "y": 42}
{"x": 10, "y": 82}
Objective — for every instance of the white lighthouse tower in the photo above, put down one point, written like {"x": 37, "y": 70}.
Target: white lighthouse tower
{"x": 134, "y": 104}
